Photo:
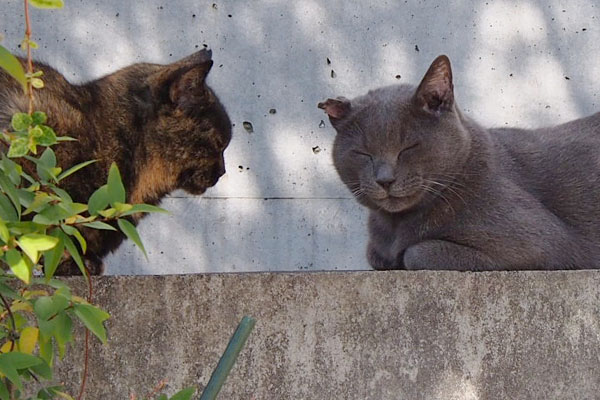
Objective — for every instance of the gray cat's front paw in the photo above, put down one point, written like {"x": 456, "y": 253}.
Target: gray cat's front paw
{"x": 414, "y": 258}
{"x": 443, "y": 255}
{"x": 378, "y": 262}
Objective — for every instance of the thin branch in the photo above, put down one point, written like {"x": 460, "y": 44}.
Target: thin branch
{"x": 161, "y": 385}
{"x": 12, "y": 320}
{"x": 87, "y": 342}
{"x": 29, "y": 60}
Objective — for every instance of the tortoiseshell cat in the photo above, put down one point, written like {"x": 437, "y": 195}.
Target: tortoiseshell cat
{"x": 446, "y": 193}
{"x": 161, "y": 124}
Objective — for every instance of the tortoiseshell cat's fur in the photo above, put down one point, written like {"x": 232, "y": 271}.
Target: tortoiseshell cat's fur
{"x": 447, "y": 193}
{"x": 161, "y": 124}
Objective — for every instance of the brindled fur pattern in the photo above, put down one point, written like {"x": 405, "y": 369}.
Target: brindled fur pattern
{"x": 446, "y": 193}
{"x": 162, "y": 124}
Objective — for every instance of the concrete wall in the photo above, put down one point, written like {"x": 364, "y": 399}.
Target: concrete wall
{"x": 281, "y": 206}
{"x": 352, "y": 335}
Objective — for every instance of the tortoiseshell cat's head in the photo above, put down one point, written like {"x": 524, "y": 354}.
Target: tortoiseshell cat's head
{"x": 162, "y": 124}
{"x": 396, "y": 145}
{"x": 192, "y": 127}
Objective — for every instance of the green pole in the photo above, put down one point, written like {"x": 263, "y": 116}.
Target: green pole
{"x": 236, "y": 344}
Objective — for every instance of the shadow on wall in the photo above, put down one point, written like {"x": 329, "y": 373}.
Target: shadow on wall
{"x": 525, "y": 63}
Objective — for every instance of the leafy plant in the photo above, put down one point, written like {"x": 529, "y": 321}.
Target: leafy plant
{"x": 40, "y": 226}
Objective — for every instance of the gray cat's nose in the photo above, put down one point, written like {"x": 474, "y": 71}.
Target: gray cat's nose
{"x": 385, "y": 176}
{"x": 385, "y": 182}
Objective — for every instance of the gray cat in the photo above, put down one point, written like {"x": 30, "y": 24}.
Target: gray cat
{"x": 446, "y": 193}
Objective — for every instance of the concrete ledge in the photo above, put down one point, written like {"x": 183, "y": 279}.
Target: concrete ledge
{"x": 354, "y": 335}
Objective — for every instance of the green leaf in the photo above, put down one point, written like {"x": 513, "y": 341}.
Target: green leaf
{"x": 62, "y": 194}
{"x": 53, "y": 214}
{"x": 108, "y": 213}
{"x": 47, "y": 3}
{"x": 37, "y": 82}
{"x": 162, "y": 397}
{"x": 72, "y": 249}
{"x": 4, "y": 395}
{"x": 39, "y": 203}
{"x": 129, "y": 230}
{"x": 26, "y": 197}
{"x": 63, "y": 332}
{"x": 12, "y": 169}
{"x": 92, "y": 317}
{"x": 98, "y": 200}
{"x": 65, "y": 139}
{"x": 48, "y": 158}
{"x": 7, "y": 211}
{"x": 144, "y": 208}
{"x": 51, "y": 393}
{"x": 74, "y": 169}
{"x": 122, "y": 207}
{"x": 100, "y": 225}
{"x": 71, "y": 230}
{"x": 24, "y": 227}
{"x": 74, "y": 208}
{"x": 9, "y": 188}
{"x": 33, "y": 243}
{"x": 46, "y": 307}
{"x": 185, "y": 394}
{"x": 59, "y": 327}
{"x": 13, "y": 361}
{"x": 39, "y": 117}
{"x": 21, "y": 121}
{"x": 53, "y": 257}
{"x": 116, "y": 190}
{"x": 18, "y": 147}
{"x": 48, "y": 136}
{"x": 45, "y": 347}
{"x": 36, "y": 132}
{"x": 13, "y": 67}
{"x": 4, "y": 234}
{"x": 18, "y": 265}
{"x": 33, "y": 45}
{"x": 42, "y": 369}
{"x": 7, "y": 291}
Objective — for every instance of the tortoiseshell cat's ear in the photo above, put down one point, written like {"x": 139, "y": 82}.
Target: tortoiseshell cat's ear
{"x": 336, "y": 109}
{"x": 184, "y": 79}
{"x": 435, "y": 93}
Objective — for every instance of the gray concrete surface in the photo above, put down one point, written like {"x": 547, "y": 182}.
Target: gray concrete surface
{"x": 353, "y": 335}
{"x": 511, "y": 63}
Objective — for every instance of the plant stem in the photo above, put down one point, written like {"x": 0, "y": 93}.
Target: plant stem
{"x": 236, "y": 344}
{"x": 87, "y": 343}
{"x": 29, "y": 60}
{"x": 12, "y": 320}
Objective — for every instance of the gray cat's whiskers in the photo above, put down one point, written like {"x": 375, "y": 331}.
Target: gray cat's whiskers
{"x": 439, "y": 194}
{"x": 448, "y": 187}
{"x": 454, "y": 183}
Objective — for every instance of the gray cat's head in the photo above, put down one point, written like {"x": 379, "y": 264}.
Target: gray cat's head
{"x": 397, "y": 146}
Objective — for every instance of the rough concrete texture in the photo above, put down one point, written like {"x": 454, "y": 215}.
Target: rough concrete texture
{"x": 526, "y": 63}
{"x": 354, "y": 335}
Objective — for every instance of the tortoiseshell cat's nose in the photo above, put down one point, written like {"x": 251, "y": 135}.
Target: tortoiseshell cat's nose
{"x": 221, "y": 167}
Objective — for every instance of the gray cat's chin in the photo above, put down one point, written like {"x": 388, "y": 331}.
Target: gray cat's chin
{"x": 398, "y": 204}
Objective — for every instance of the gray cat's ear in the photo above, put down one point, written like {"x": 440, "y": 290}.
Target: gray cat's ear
{"x": 182, "y": 80}
{"x": 336, "y": 109}
{"x": 435, "y": 94}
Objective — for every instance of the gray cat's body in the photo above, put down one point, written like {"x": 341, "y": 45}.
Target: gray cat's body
{"x": 445, "y": 193}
